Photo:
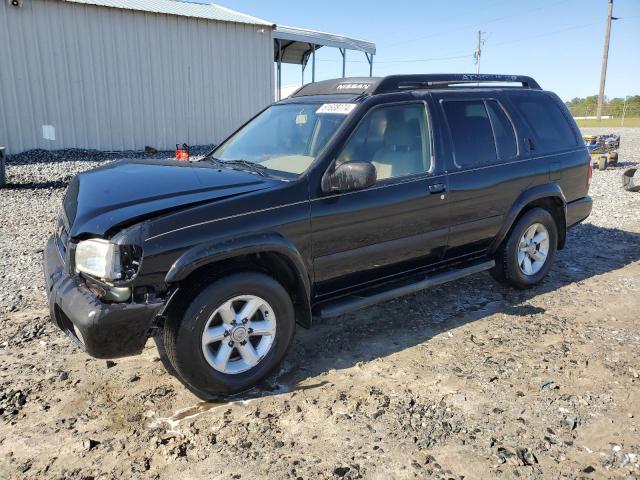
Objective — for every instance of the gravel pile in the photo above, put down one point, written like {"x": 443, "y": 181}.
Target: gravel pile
{"x": 29, "y": 205}
{"x": 466, "y": 380}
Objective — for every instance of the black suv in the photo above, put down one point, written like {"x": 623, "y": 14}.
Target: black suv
{"x": 351, "y": 192}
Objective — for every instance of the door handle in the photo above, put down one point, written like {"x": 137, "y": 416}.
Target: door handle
{"x": 437, "y": 188}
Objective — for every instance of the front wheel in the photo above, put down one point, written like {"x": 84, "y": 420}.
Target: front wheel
{"x": 526, "y": 256}
{"x": 232, "y": 334}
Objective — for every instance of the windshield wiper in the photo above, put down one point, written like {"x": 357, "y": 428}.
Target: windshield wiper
{"x": 256, "y": 167}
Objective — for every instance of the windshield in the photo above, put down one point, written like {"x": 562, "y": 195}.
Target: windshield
{"x": 285, "y": 138}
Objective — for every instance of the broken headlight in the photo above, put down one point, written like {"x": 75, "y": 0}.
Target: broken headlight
{"x": 106, "y": 260}
{"x": 98, "y": 258}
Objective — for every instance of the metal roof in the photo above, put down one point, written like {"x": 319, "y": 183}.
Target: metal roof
{"x": 296, "y": 43}
{"x": 183, "y": 9}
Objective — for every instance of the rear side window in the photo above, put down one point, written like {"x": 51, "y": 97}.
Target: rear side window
{"x": 503, "y": 131}
{"x": 548, "y": 123}
{"x": 471, "y": 132}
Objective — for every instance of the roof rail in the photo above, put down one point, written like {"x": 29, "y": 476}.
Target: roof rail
{"x": 394, "y": 83}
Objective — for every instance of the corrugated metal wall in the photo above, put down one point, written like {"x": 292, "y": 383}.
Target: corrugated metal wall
{"x": 113, "y": 79}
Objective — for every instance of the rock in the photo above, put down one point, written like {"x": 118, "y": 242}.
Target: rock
{"x": 90, "y": 444}
{"x": 111, "y": 364}
{"x": 278, "y": 444}
{"x": 63, "y": 376}
{"x": 341, "y": 471}
{"x": 622, "y": 459}
{"x": 133, "y": 378}
{"x": 588, "y": 469}
{"x": 134, "y": 418}
{"x": 547, "y": 384}
{"x": 571, "y": 421}
{"x": 526, "y": 456}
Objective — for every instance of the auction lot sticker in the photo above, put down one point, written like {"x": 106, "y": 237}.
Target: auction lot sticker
{"x": 337, "y": 108}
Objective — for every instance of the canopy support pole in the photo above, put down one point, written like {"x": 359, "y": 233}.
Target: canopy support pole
{"x": 343, "y": 52}
{"x": 313, "y": 64}
{"x": 370, "y": 60}
{"x": 279, "y": 94}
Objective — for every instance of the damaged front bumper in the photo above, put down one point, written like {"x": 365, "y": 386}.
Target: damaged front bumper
{"x": 103, "y": 330}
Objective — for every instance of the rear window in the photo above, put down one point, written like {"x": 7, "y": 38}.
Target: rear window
{"x": 550, "y": 128}
{"x": 471, "y": 132}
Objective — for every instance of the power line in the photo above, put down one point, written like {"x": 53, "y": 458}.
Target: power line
{"x": 546, "y": 34}
{"x": 454, "y": 56}
{"x": 444, "y": 19}
{"x": 432, "y": 59}
{"x": 493, "y": 20}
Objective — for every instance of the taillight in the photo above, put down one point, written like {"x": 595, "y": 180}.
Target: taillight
{"x": 590, "y": 172}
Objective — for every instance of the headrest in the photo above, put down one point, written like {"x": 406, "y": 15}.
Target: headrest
{"x": 397, "y": 134}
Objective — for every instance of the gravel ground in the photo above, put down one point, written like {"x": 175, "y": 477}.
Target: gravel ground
{"x": 469, "y": 379}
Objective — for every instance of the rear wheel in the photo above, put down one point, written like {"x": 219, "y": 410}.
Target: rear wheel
{"x": 526, "y": 256}
{"x": 232, "y": 335}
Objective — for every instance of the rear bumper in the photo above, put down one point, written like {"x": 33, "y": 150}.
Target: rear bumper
{"x": 102, "y": 330}
{"x": 578, "y": 210}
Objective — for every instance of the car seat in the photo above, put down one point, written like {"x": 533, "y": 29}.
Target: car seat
{"x": 399, "y": 155}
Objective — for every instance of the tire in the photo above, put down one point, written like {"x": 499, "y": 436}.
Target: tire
{"x": 603, "y": 163}
{"x": 185, "y": 342}
{"x": 508, "y": 267}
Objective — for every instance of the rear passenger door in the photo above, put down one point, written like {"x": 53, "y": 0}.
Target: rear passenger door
{"x": 487, "y": 168}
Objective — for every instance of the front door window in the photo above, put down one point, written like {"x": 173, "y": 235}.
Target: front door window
{"x": 394, "y": 139}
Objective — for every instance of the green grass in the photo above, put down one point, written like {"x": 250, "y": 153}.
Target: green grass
{"x": 610, "y": 122}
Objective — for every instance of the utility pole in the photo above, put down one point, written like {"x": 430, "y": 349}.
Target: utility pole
{"x": 605, "y": 57}
{"x": 478, "y": 52}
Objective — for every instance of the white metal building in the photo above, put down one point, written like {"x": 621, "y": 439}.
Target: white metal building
{"x": 124, "y": 74}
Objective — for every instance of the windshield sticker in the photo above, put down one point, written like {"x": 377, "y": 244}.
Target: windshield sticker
{"x": 337, "y": 108}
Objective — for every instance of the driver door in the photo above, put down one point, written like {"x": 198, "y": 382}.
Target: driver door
{"x": 401, "y": 222}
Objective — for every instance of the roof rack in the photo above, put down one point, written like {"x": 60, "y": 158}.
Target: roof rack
{"x": 394, "y": 83}
{"x": 398, "y": 83}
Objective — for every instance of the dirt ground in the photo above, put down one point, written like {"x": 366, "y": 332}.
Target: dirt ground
{"x": 469, "y": 379}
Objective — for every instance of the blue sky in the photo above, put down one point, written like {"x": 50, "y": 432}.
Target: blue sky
{"x": 558, "y": 42}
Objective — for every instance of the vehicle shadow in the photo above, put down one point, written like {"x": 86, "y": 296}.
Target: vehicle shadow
{"x": 390, "y": 327}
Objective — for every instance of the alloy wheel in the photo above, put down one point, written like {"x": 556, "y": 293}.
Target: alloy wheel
{"x": 239, "y": 334}
{"x": 533, "y": 249}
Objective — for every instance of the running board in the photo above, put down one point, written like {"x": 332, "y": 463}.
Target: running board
{"x": 353, "y": 302}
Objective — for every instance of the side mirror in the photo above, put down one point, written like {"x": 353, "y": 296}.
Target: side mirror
{"x": 350, "y": 176}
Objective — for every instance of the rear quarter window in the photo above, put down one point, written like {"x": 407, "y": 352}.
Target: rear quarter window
{"x": 547, "y": 121}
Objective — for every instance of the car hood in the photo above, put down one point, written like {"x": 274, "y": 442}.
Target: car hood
{"x": 122, "y": 193}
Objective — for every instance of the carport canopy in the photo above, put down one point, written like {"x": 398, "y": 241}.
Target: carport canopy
{"x": 298, "y": 45}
